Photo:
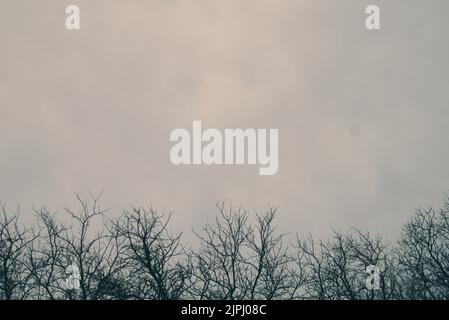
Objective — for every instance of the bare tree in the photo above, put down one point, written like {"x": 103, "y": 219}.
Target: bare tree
{"x": 154, "y": 269}
{"x": 424, "y": 255}
{"x": 327, "y": 268}
{"x": 275, "y": 272}
{"x": 336, "y": 268}
{"x": 238, "y": 261}
{"x": 46, "y": 258}
{"x": 15, "y": 278}
{"x": 239, "y": 256}
{"x": 372, "y": 250}
{"x": 93, "y": 256}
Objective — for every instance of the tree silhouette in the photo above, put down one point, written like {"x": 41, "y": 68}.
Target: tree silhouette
{"x": 336, "y": 268}
{"x": 151, "y": 255}
{"x": 96, "y": 256}
{"x": 15, "y": 276}
{"x": 237, "y": 260}
{"x": 424, "y": 255}
{"x": 240, "y": 255}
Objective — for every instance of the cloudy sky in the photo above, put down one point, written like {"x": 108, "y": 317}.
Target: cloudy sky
{"x": 363, "y": 117}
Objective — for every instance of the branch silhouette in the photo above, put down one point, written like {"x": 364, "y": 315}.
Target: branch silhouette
{"x": 240, "y": 256}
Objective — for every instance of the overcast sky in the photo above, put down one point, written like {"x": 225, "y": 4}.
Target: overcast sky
{"x": 363, "y": 117}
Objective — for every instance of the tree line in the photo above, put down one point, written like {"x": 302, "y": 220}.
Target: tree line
{"x": 240, "y": 255}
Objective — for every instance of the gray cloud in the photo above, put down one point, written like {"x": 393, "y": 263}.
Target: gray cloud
{"x": 363, "y": 116}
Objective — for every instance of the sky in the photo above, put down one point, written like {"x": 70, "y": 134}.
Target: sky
{"x": 363, "y": 116}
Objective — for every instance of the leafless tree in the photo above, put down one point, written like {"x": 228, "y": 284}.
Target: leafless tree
{"x": 95, "y": 256}
{"x": 336, "y": 268}
{"x": 239, "y": 261}
{"x": 152, "y": 255}
{"x": 15, "y": 278}
{"x": 424, "y": 255}
{"x": 239, "y": 256}
{"x": 220, "y": 269}
{"x": 46, "y": 258}
{"x": 276, "y": 273}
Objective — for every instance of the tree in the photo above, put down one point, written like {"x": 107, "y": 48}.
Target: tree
{"x": 336, "y": 268}
{"x": 424, "y": 254}
{"x": 239, "y": 261}
{"x": 15, "y": 278}
{"x": 154, "y": 269}
{"x": 239, "y": 256}
{"x": 94, "y": 257}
